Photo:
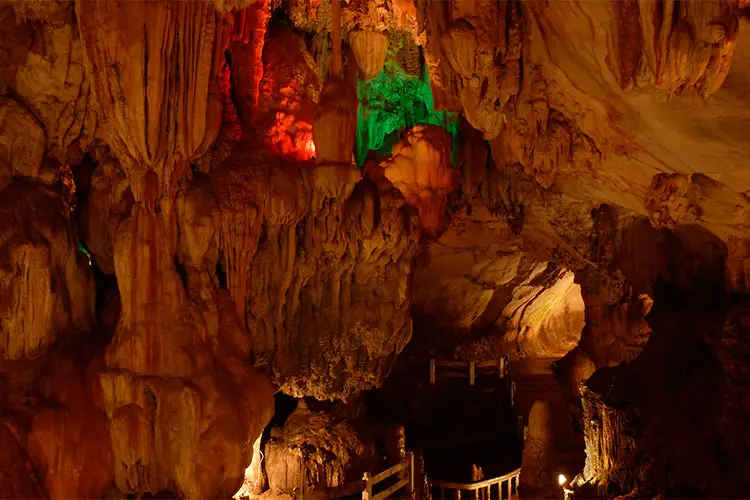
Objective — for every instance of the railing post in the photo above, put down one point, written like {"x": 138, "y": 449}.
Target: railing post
{"x": 367, "y": 493}
{"x": 471, "y": 372}
{"x": 501, "y": 367}
{"x": 411, "y": 474}
{"x": 432, "y": 371}
{"x": 513, "y": 393}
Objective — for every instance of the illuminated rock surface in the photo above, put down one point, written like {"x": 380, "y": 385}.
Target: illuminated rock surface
{"x": 202, "y": 203}
{"x": 315, "y": 451}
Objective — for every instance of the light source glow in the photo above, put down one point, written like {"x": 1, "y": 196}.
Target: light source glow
{"x": 392, "y": 102}
{"x": 561, "y": 480}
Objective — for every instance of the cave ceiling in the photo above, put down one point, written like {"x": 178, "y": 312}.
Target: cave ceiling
{"x": 240, "y": 197}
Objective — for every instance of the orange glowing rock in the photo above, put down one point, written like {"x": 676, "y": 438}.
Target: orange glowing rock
{"x": 420, "y": 167}
{"x": 370, "y": 48}
{"x": 335, "y": 127}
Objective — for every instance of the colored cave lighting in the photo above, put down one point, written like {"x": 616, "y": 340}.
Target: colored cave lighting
{"x": 290, "y": 136}
{"x": 392, "y": 103}
{"x": 85, "y": 252}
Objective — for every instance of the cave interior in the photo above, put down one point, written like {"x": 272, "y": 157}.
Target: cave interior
{"x": 269, "y": 249}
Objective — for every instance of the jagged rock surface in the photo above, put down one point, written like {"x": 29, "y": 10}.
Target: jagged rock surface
{"x": 318, "y": 263}
{"x": 313, "y": 450}
{"x": 617, "y": 149}
{"x": 476, "y": 279}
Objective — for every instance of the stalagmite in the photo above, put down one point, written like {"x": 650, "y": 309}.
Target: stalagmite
{"x": 335, "y": 127}
{"x": 539, "y": 460}
{"x": 184, "y": 233}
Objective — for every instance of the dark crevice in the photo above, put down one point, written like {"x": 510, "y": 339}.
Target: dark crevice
{"x": 181, "y": 271}
{"x": 221, "y": 273}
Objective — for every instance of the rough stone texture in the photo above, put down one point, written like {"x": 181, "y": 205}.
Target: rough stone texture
{"x": 539, "y": 460}
{"x": 178, "y": 397}
{"x": 335, "y": 127}
{"x": 318, "y": 265}
{"x": 473, "y": 50}
{"x": 686, "y": 391}
{"x": 21, "y": 145}
{"x": 68, "y": 440}
{"x": 610, "y": 445}
{"x": 287, "y": 95}
{"x": 109, "y": 203}
{"x": 45, "y": 285}
{"x": 617, "y": 154}
{"x": 315, "y": 451}
{"x": 17, "y": 477}
{"x": 369, "y": 48}
{"x": 420, "y": 168}
{"x": 476, "y": 279}
{"x": 574, "y": 369}
{"x": 153, "y": 76}
{"x": 181, "y": 404}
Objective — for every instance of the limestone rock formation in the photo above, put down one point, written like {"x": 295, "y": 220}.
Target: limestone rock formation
{"x": 109, "y": 202}
{"x": 473, "y": 50}
{"x": 315, "y": 451}
{"x": 289, "y": 90}
{"x": 539, "y": 460}
{"x": 183, "y": 230}
{"x": 420, "y": 168}
{"x": 318, "y": 265}
{"x": 17, "y": 479}
{"x": 46, "y": 287}
{"x": 370, "y": 49}
{"x": 180, "y": 403}
{"x": 143, "y": 88}
{"x": 334, "y": 130}
{"x": 22, "y": 145}
{"x": 478, "y": 280}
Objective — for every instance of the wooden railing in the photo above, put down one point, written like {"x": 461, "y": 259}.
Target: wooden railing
{"x": 467, "y": 369}
{"x": 483, "y": 489}
{"x": 408, "y": 481}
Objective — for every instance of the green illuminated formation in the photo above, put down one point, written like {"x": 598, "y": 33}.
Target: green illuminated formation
{"x": 392, "y": 102}
{"x": 83, "y": 250}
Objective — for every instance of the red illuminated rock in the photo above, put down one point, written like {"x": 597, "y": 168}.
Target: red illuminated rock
{"x": 69, "y": 443}
{"x": 17, "y": 477}
{"x": 289, "y": 90}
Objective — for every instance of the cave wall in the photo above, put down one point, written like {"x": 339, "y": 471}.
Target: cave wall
{"x": 479, "y": 294}
{"x": 225, "y": 246}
